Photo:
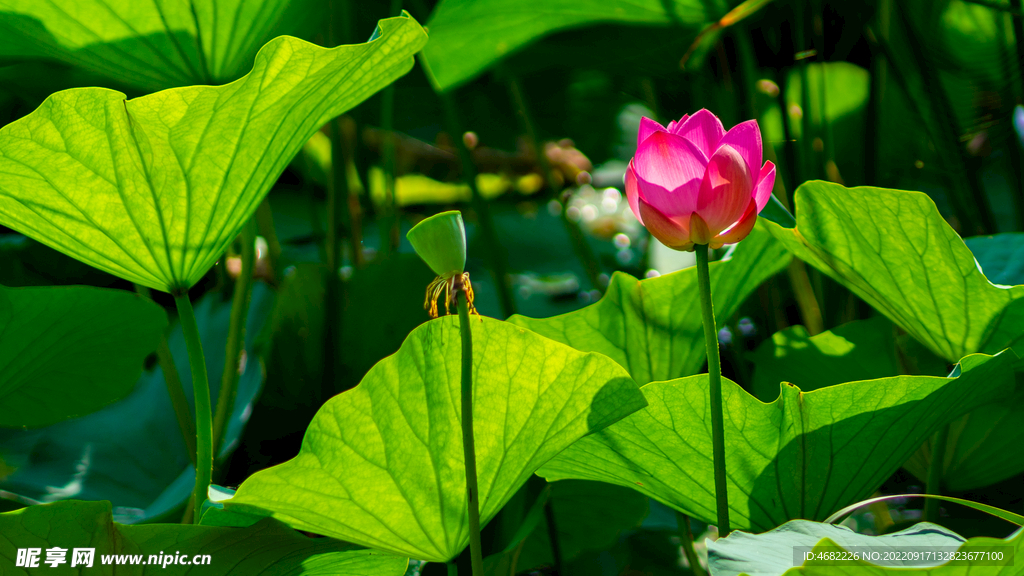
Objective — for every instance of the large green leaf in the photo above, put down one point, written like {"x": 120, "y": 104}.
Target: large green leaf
{"x": 69, "y": 351}
{"x": 803, "y": 456}
{"x": 653, "y": 327}
{"x": 775, "y": 553}
{"x": 861, "y": 350}
{"x": 154, "y": 189}
{"x": 382, "y": 464}
{"x": 268, "y": 548}
{"x": 150, "y": 45}
{"x": 132, "y": 452}
{"x": 468, "y": 36}
{"x": 894, "y": 250}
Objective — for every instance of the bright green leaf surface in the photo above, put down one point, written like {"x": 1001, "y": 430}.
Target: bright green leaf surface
{"x": 267, "y": 548}
{"x": 150, "y": 45}
{"x": 132, "y": 452}
{"x": 805, "y": 455}
{"x": 382, "y": 464}
{"x": 155, "y": 188}
{"x": 862, "y": 350}
{"x": 653, "y": 327}
{"x": 69, "y": 351}
{"x": 894, "y": 250}
{"x": 468, "y": 36}
{"x": 771, "y": 553}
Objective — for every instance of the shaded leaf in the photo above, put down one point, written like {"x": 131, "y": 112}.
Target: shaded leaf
{"x": 653, "y": 327}
{"x": 469, "y": 36}
{"x": 381, "y": 464}
{"x": 1001, "y": 257}
{"x": 268, "y": 547}
{"x": 132, "y": 452}
{"x": 154, "y": 189}
{"x": 803, "y": 456}
{"x": 69, "y": 351}
{"x": 861, "y": 350}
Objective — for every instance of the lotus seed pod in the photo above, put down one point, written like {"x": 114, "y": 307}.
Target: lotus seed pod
{"x": 440, "y": 241}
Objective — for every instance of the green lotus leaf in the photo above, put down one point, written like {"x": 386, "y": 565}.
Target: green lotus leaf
{"x": 861, "y": 350}
{"x": 382, "y": 464}
{"x": 154, "y": 189}
{"x": 68, "y": 351}
{"x": 135, "y": 455}
{"x": 150, "y": 45}
{"x": 775, "y": 553}
{"x": 267, "y": 548}
{"x": 893, "y": 249}
{"x": 1000, "y": 256}
{"x": 805, "y": 455}
{"x": 653, "y": 327}
{"x": 468, "y": 36}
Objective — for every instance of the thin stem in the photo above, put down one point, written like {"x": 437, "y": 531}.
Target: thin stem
{"x": 337, "y": 215}
{"x": 179, "y": 403}
{"x": 389, "y": 223}
{"x": 810, "y": 311}
{"x": 686, "y": 536}
{"x": 265, "y": 226}
{"x": 584, "y": 252}
{"x": 201, "y": 390}
{"x": 468, "y": 445}
{"x": 236, "y": 336}
{"x": 715, "y": 385}
{"x": 498, "y": 259}
{"x": 935, "y": 468}
{"x": 453, "y": 570}
{"x": 556, "y": 546}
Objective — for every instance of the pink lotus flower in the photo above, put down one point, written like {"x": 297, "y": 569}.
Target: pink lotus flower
{"x": 694, "y": 183}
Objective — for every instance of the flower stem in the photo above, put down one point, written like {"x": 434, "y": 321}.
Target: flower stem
{"x": 472, "y": 493}
{"x": 236, "y": 336}
{"x": 933, "y": 484}
{"x": 686, "y": 536}
{"x": 201, "y": 390}
{"x": 453, "y": 570}
{"x": 715, "y": 384}
{"x": 174, "y": 390}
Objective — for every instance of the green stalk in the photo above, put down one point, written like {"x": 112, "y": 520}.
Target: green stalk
{"x": 389, "y": 221}
{"x": 715, "y": 384}
{"x": 201, "y": 390}
{"x": 453, "y": 570}
{"x": 686, "y": 536}
{"x": 810, "y": 311}
{"x": 174, "y": 390}
{"x": 468, "y": 445}
{"x": 933, "y": 485}
{"x": 236, "y": 336}
{"x": 556, "y": 546}
{"x": 265, "y": 226}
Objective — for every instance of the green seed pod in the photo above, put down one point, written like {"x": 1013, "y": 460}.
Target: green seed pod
{"x": 441, "y": 242}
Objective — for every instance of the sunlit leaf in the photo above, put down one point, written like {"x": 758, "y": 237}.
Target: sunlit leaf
{"x": 894, "y": 250}
{"x": 468, "y": 36}
{"x": 132, "y": 452}
{"x": 154, "y": 189}
{"x": 382, "y": 464}
{"x": 267, "y": 548}
{"x": 653, "y": 327}
{"x": 151, "y": 45}
{"x": 68, "y": 351}
{"x": 803, "y": 456}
